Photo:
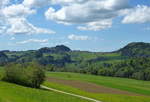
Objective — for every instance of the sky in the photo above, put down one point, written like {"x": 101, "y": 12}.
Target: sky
{"x": 91, "y": 25}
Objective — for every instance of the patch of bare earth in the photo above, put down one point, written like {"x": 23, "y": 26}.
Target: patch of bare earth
{"x": 90, "y": 87}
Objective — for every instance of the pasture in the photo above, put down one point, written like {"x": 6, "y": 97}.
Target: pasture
{"x": 105, "y": 89}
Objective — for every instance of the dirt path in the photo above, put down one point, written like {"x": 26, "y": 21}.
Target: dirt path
{"x": 90, "y": 87}
{"x": 71, "y": 94}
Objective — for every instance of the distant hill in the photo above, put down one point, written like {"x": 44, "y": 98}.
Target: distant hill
{"x": 61, "y": 54}
{"x": 132, "y": 61}
{"x": 136, "y": 49}
{"x": 57, "y": 49}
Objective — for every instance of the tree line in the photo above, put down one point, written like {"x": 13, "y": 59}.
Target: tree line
{"x": 136, "y": 68}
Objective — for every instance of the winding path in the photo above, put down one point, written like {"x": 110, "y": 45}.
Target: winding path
{"x": 71, "y": 94}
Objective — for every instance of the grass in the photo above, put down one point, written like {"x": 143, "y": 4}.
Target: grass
{"x": 85, "y": 56}
{"x": 101, "y": 97}
{"x": 131, "y": 85}
{"x": 15, "y": 93}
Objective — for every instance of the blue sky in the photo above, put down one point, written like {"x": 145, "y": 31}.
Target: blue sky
{"x": 93, "y": 25}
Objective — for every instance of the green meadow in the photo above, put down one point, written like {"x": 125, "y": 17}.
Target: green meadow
{"x": 100, "y": 96}
{"x": 131, "y": 85}
{"x": 15, "y": 93}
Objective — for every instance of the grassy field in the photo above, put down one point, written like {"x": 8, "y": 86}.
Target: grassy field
{"x": 129, "y": 85}
{"x": 100, "y": 96}
{"x": 15, "y": 93}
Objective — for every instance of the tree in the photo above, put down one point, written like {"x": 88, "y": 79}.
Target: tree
{"x": 138, "y": 75}
{"x": 105, "y": 71}
{"x": 35, "y": 75}
{"x": 31, "y": 74}
{"x": 3, "y": 58}
{"x": 46, "y": 60}
{"x": 50, "y": 67}
{"x": 124, "y": 72}
{"x": 147, "y": 74}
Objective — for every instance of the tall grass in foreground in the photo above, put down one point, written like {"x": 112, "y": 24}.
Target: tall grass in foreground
{"x": 14, "y": 93}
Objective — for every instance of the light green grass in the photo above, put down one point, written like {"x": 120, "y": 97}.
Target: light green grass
{"x": 85, "y": 56}
{"x": 15, "y": 93}
{"x": 101, "y": 97}
{"x": 136, "y": 86}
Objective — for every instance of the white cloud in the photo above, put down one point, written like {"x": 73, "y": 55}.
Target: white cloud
{"x": 67, "y": 2}
{"x": 95, "y": 26}
{"x": 87, "y": 12}
{"x": 13, "y": 20}
{"x": 33, "y": 41}
{"x": 63, "y": 1}
{"x": 22, "y": 26}
{"x": 78, "y": 37}
{"x": 36, "y": 3}
{"x": 4, "y": 3}
{"x": 17, "y": 11}
{"x": 139, "y": 14}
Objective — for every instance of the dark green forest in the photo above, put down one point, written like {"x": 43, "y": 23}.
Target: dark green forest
{"x": 131, "y": 61}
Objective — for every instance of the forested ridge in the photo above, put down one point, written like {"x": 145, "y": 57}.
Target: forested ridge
{"x": 131, "y": 61}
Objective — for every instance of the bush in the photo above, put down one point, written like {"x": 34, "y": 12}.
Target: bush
{"x": 138, "y": 75}
{"x": 147, "y": 74}
{"x": 105, "y": 71}
{"x": 31, "y": 75}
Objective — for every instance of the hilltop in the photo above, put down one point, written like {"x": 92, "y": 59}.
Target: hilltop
{"x": 64, "y": 54}
{"x": 136, "y": 49}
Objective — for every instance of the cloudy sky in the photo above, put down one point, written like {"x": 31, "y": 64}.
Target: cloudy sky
{"x": 94, "y": 25}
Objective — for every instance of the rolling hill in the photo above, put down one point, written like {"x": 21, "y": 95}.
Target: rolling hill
{"x": 64, "y": 54}
{"x": 131, "y": 61}
{"x": 136, "y": 49}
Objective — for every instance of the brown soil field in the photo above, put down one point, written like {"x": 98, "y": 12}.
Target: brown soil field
{"x": 90, "y": 87}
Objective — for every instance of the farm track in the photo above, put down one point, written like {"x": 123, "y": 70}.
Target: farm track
{"x": 71, "y": 94}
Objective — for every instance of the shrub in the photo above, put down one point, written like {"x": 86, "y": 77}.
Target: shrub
{"x": 138, "y": 75}
{"x": 31, "y": 75}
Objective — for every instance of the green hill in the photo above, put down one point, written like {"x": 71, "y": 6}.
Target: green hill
{"x": 60, "y": 54}
{"x": 136, "y": 49}
{"x": 131, "y": 61}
